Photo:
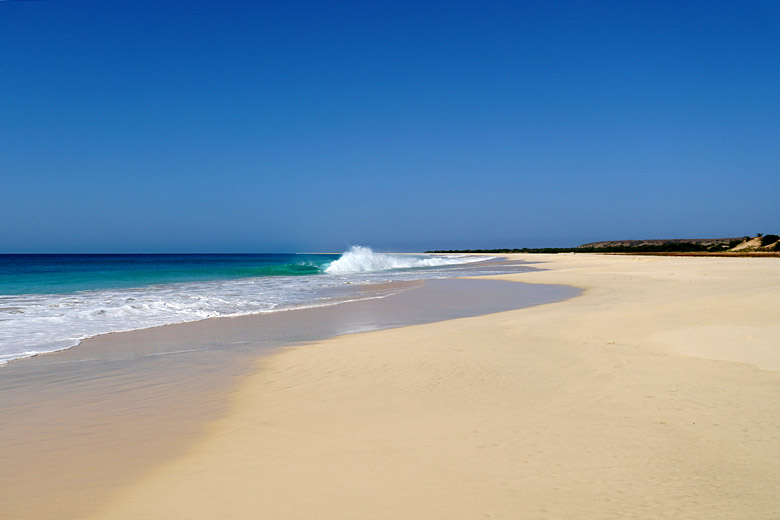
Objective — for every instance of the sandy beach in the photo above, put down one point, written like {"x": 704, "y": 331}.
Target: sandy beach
{"x": 652, "y": 395}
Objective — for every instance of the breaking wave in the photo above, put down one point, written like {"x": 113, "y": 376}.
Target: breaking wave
{"x": 37, "y": 318}
{"x": 363, "y": 259}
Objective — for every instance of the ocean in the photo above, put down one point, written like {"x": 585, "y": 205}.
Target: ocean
{"x": 52, "y": 302}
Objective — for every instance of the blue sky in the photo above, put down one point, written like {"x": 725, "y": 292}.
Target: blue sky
{"x": 310, "y": 126}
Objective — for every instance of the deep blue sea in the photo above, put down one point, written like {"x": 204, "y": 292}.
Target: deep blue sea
{"x": 51, "y": 302}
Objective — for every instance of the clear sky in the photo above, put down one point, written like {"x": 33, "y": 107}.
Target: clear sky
{"x": 195, "y": 126}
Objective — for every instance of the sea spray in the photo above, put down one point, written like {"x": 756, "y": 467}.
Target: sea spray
{"x": 362, "y": 259}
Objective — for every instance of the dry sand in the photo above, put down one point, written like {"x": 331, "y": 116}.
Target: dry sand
{"x": 655, "y": 394}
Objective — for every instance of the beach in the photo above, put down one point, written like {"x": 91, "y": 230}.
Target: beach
{"x": 651, "y": 394}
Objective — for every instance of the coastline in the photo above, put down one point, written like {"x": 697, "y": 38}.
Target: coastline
{"x": 652, "y": 395}
{"x": 53, "y": 302}
{"x": 109, "y": 410}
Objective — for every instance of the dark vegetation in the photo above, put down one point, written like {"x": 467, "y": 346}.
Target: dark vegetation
{"x": 658, "y": 246}
{"x": 681, "y": 247}
{"x": 524, "y": 250}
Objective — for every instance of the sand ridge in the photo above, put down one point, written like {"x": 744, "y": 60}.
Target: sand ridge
{"x": 652, "y": 395}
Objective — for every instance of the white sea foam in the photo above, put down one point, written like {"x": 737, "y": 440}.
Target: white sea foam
{"x": 48, "y": 322}
{"x": 35, "y": 323}
{"x": 362, "y": 259}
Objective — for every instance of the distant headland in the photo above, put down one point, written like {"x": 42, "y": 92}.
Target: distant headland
{"x": 760, "y": 245}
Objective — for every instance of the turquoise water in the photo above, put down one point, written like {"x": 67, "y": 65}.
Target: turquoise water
{"x": 62, "y": 274}
{"x": 51, "y": 302}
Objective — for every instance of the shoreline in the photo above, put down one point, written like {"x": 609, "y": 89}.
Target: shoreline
{"x": 644, "y": 397}
{"x": 87, "y": 341}
{"x": 111, "y": 409}
{"x": 320, "y": 289}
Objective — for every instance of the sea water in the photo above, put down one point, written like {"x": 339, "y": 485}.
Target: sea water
{"x": 52, "y": 302}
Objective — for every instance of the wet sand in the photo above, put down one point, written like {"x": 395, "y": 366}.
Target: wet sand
{"x": 82, "y": 424}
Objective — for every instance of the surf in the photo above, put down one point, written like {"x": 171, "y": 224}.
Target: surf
{"x": 364, "y": 259}
{"x": 50, "y": 303}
